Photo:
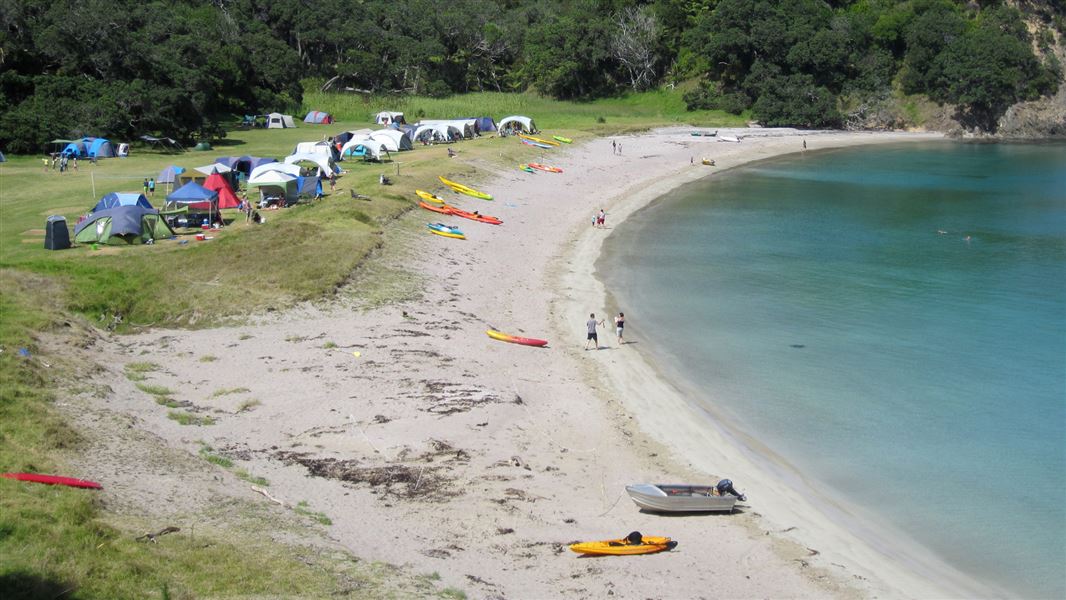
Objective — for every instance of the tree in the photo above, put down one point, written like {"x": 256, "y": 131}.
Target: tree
{"x": 635, "y": 43}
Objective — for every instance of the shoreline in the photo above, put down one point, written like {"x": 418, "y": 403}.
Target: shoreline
{"x": 765, "y": 473}
{"x": 496, "y": 455}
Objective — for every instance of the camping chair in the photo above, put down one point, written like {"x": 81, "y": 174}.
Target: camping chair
{"x": 356, "y": 196}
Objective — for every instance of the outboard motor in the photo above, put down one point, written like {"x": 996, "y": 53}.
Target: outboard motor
{"x": 725, "y": 486}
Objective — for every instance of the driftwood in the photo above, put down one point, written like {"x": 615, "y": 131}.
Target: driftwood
{"x": 151, "y": 537}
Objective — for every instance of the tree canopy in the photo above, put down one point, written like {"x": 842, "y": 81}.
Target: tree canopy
{"x": 181, "y": 68}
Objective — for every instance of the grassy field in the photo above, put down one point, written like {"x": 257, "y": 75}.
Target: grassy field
{"x": 58, "y": 542}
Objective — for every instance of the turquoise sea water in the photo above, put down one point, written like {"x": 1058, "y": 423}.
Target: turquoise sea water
{"x": 921, "y": 375}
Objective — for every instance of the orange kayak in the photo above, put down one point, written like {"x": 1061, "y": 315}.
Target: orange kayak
{"x": 503, "y": 337}
{"x": 444, "y": 209}
{"x": 474, "y": 216}
{"x": 545, "y": 168}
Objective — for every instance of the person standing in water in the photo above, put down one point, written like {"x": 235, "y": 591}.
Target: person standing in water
{"x": 619, "y": 326}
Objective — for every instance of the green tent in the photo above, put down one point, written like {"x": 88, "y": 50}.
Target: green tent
{"x": 122, "y": 225}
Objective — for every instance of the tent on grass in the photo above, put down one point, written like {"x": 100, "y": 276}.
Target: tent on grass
{"x": 466, "y": 127}
{"x": 310, "y": 187}
{"x": 325, "y": 164}
{"x": 213, "y": 168}
{"x": 169, "y": 174}
{"x": 76, "y": 148}
{"x": 275, "y": 184}
{"x": 122, "y": 225}
{"x": 386, "y": 117}
{"x": 485, "y": 124}
{"x": 164, "y": 143}
{"x": 326, "y": 149}
{"x": 99, "y": 148}
{"x": 116, "y": 199}
{"x": 368, "y": 149}
{"x": 279, "y": 121}
{"x": 196, "y": 197}
{"x": 318, "y": 118}
{"x": 293, "y": 170}
{"x": 226, "y": 198}
{"x": 518, "y": 123}
{"x": 2, "y": 157}
{"x": 437, "y": 133}
{"x": 394, "y": 139}
{"x": 244, "y": 164}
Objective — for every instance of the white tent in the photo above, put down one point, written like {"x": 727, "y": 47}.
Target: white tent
{"x": 385, "y": 117}
{"x": 367, "y": 148}
{"x": 324, "y": 148}
{"x": 466, "y": 126}
{"x": 293, "y": 170}
{"x": 324, "y": 163}
{"x": 437, "y": 132}
{"x": 275, "y": 183}
{"x": 524, "y": 123}
{"x": 213, "y": 168}
{"x": 394, "y": 139}
{"x": 279, "y": 121}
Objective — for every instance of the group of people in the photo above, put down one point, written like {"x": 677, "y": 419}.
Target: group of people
{"x": 149, "y": 186}
{"x": 599, "y": 219}
{"x": 592, "y": 324}
{"x": 61, "y": 162}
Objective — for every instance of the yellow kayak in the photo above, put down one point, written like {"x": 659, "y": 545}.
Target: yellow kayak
{"x": 429, "y": 197}
{"x": 462, "y": 189}
{"x": 537, "y": 139}
{"x": 448, "y": 234}
{"x": 625, "y": 546}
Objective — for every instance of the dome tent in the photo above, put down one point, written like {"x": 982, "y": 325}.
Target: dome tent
{"x": 122, "y": 225}
{"x": 316, "y": 117}
{"x": 115, "y": 199}
{"x": 518, "y": 122}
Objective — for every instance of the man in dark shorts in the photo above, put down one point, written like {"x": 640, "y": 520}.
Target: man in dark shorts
{"x": 591, "y": 324}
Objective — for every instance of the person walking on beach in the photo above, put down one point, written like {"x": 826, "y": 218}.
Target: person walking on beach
{"x": 614, "y": 147}
{"x": 601, "y": 219}
{"x": 804, "y": 144}
{"x": 591, "y": 325}
{"x": 619, "y": 326}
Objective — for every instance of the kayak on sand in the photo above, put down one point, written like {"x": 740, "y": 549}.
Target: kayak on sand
{"x": 462, "y": 189}
{"x": 503, "y": 337}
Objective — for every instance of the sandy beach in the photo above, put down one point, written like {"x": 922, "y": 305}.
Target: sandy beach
{"x": 429, "y": 445}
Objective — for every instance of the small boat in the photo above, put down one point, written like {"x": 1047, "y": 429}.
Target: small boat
{"x": 503, "y": 337}
{"x": 474, "y": 216}
{"x": 634, "y": 543}
{"x": 541, "y": 167}
{"x": 538, "y": 140}
{"x": 53, "y": 480}
{"x": 536, "y": 144}
{"x": 449, "y": 232}
{"x": 729, "y": 138}
{"x": 527, "y": 168}
{"x": 429, "y": 197}
{"x": 562, "y": 139}
{"x": 661, "y": 497}
{"x": 444, "y": 209}
{"x": 462, "y": 189}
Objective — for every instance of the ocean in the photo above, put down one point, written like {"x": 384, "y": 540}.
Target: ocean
{"x": 890, "y": 320}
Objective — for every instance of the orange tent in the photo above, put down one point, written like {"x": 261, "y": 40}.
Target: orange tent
{"x": 226, "y": 197}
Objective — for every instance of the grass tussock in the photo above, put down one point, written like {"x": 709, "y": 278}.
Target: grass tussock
{"x": 228, "y": 391}
{"x": 155, "y": 390}
{"x": 187, "y": 418}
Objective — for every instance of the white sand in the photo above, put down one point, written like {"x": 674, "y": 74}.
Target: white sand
{"x": 490, "y": 457}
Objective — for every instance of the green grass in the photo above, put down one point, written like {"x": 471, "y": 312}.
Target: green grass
{"x": 329, "y": 345}
{"x": 155, "y": 390}
{"x": 228, "y": 391}
{"x": 208, "y": 358}
{"x": 302, "y": 508}
{"x": 246, "y": 476}
{"x": 57, "y": 539}
{"x": 187, "y": 418}
{"x": 247, "y": 405}
{"x": 207, "y": 454}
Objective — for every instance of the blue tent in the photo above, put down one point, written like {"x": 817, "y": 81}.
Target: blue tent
{"x": 122, "y": 225}
{"x": 169, "y": 174}
{"x": 192, "y": 193}
{"x": 122, "y": 199}
{"x": 2, "y": 159}
{"x": 100, "y": 148}
{"x": 244, "y": 164}
{"x": 76, "y": 148}
{"x": 483, "y": 123}
{"x": 309, "y": 186}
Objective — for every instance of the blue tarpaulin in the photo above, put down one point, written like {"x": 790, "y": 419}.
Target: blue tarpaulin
{"x": 122, "y": 199}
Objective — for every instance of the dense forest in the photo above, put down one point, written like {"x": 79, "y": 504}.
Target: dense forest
{"x": 185, "y": 67}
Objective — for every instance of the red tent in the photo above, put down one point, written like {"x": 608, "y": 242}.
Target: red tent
{"x": 226, "y": 197}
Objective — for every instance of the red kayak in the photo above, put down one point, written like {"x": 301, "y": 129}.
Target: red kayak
{"x": 53, "y": 480}
{"x": 443, "y": 209}
{"x": 474, "y": 216}
{"x": 514, "y": 339}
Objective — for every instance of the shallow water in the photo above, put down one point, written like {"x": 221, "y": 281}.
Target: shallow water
{"x": 892, "y": 321}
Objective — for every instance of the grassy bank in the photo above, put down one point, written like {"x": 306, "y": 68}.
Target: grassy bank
{"x": 59, "y": 542}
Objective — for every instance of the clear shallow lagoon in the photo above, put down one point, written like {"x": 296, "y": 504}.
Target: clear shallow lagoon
{"x": 920, "y": 374}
